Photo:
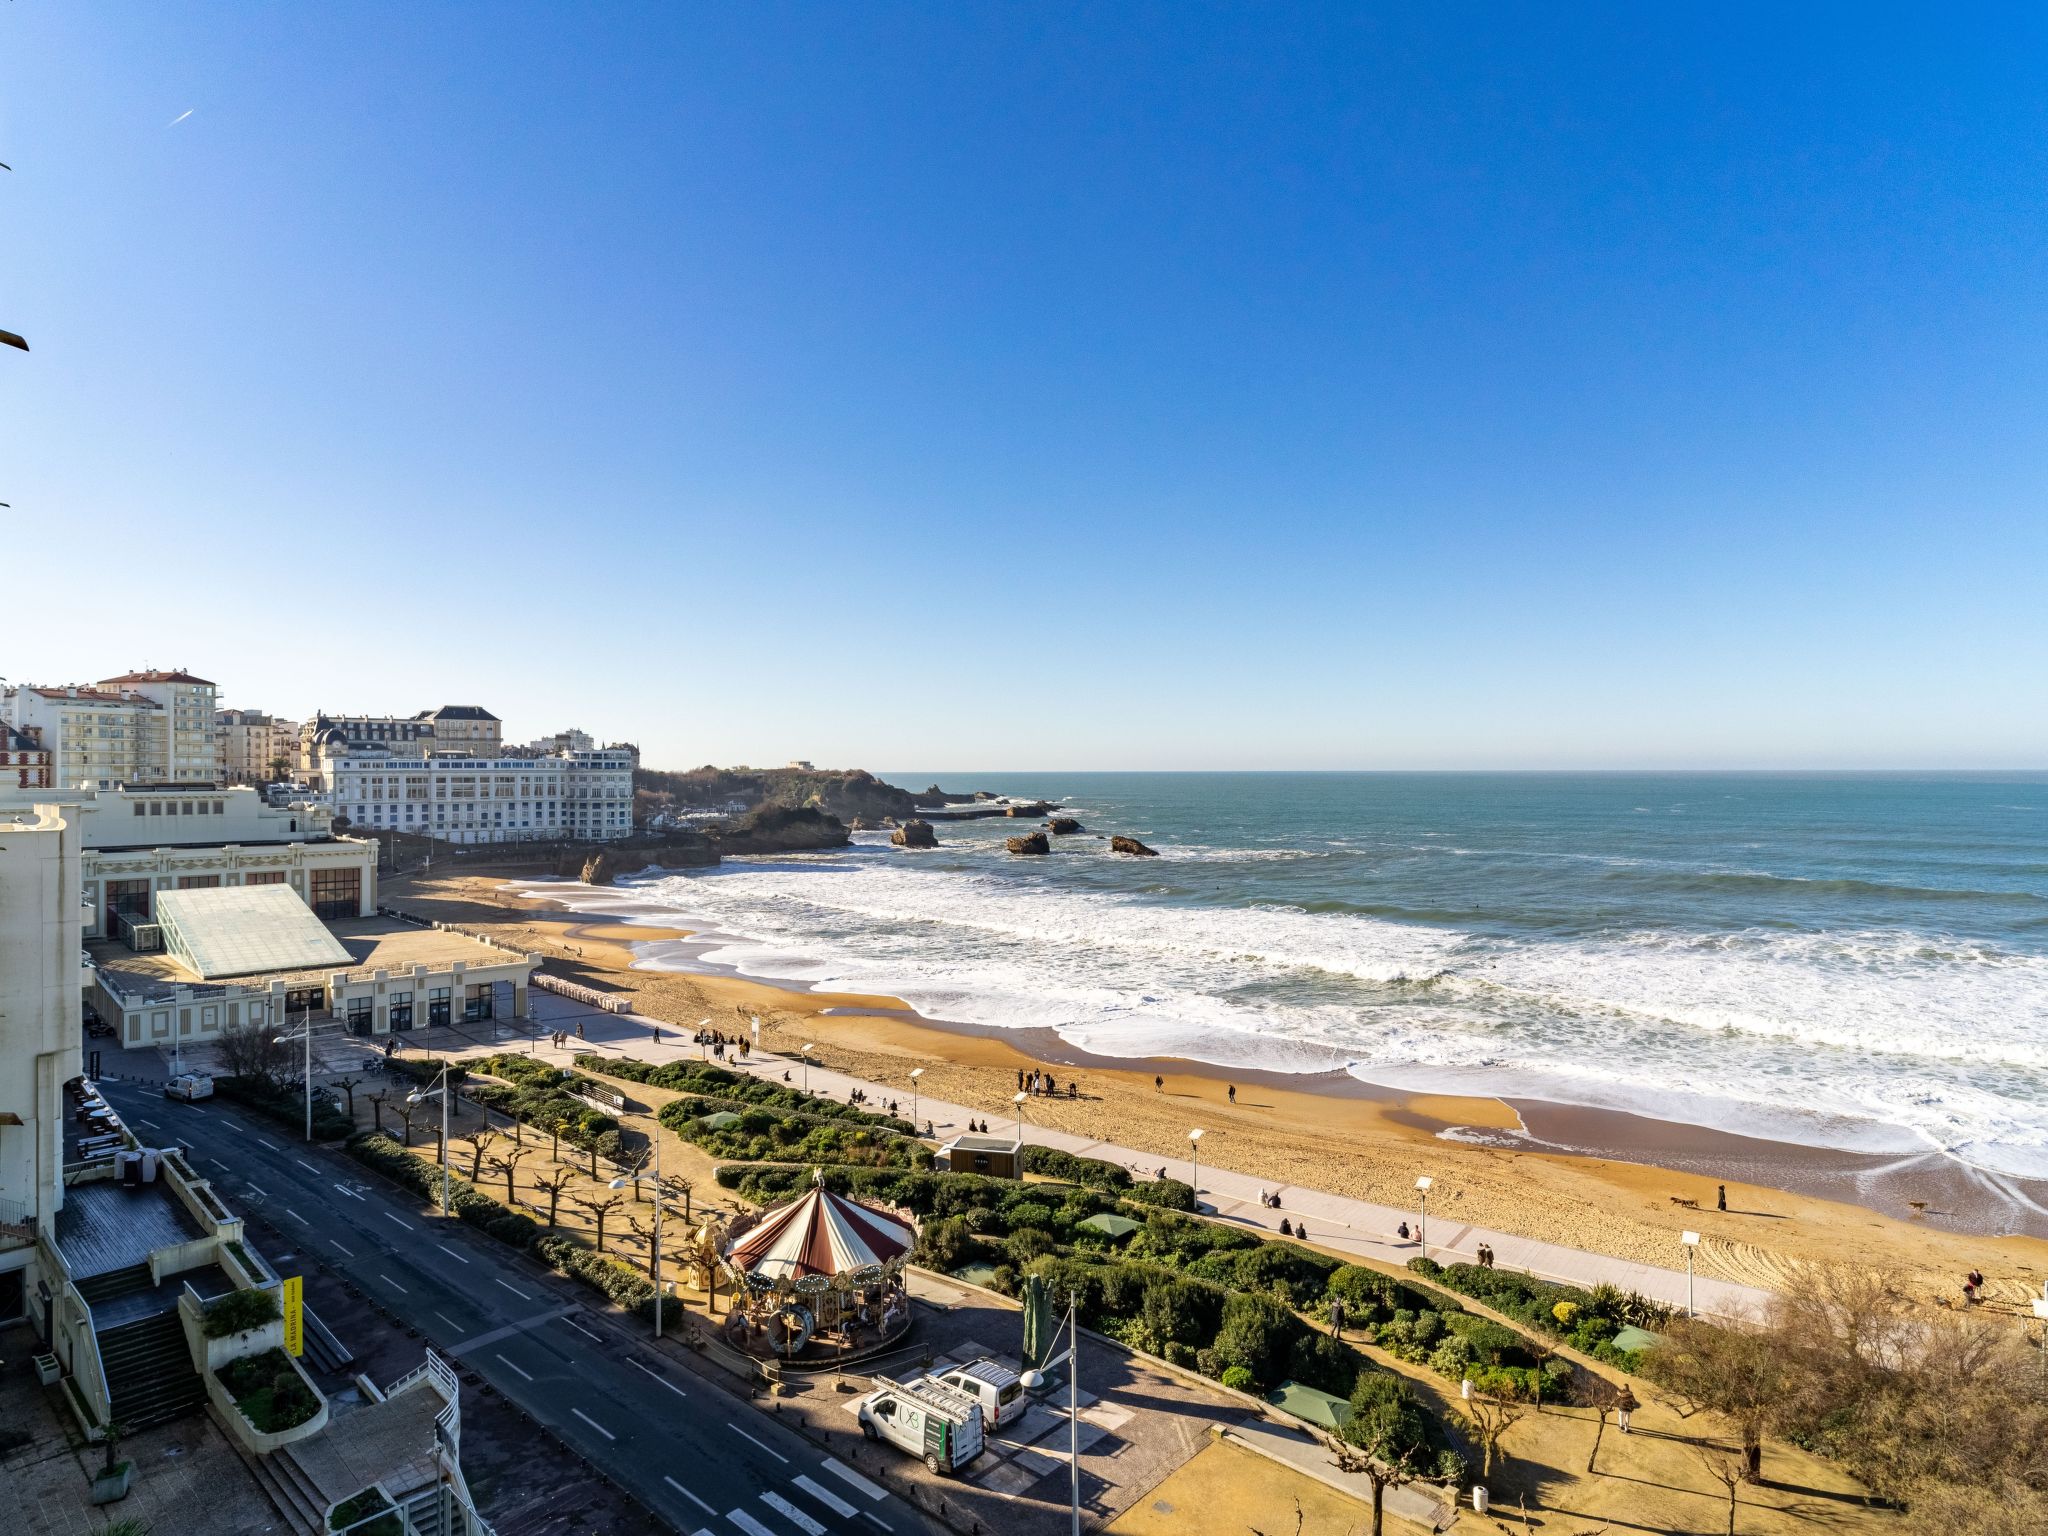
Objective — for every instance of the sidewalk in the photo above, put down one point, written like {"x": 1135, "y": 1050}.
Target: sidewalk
{"x": 1335, "y": 1222}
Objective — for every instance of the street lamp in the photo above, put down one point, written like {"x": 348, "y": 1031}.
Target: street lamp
{"x": 1422, "y": 1212}
{"x": 915, "y": 1074}
{"x": 621, "y": 1183}
{"x": 420, "y": 1096}
{"x": 704, "y": 1039}
{"x": 305, "y": 1030}
{"x": 1018, "y": 1100}
{"x": 1195, "y": 1151}
{"x": 806, "y": 1054}
{"x": 1035, "y": 1378}
{"x": 1691, "y": 1241}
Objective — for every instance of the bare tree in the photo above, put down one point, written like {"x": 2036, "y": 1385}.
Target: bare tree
{"x": 552, "y": 1186}
{"x": 1486, "y": 1419}
{"x": 643, "y": 1233}
{"x": 377, "y": 1108}
{"x": 349, "y": 1085}
{"x": 480, "y": 1143}
{"x": 1745, "y": 1375}
{"x": 504, "y": 1164}
{"x": 683, "y": 1187}
{"x": 1381, "y": 1474}
{"x": 406, "y": 1110}
{"x": 252, "y": 1050}
{"x": 599, "y": 1207}
{"x": 1726, "y": 1466}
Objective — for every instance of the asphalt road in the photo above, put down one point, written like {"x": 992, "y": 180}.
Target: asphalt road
{"x": 699, "y": 1457}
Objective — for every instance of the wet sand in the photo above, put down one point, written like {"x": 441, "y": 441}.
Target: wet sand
{"x": 1596, "y": 1179}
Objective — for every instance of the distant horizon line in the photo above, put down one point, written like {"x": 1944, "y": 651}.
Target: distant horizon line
{"x": 1786, "y": 772}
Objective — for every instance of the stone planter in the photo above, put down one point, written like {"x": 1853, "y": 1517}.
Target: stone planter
{"x": 48, "y": 1371}
{"x": 111, "y": 1487}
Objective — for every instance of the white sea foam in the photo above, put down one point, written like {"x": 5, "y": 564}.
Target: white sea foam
{"x": 1849, "y": 1038}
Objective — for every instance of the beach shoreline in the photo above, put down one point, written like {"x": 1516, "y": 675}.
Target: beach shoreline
{"x": 1602, "y": 1179}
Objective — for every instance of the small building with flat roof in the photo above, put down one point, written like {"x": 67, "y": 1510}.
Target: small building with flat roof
{"x": 1000, "y": 1157}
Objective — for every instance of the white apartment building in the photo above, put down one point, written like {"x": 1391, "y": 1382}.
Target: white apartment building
{"x": 598, "y": 791}
{"x": 254, "y": 748}
{"x": 40, "y": 988}
{"x": 451, "y": 796}
{"x": 156, "y": 727}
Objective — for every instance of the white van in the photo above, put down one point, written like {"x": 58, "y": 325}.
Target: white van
{"x": 189, "y": 1086}
{"x": 925, "y": 1419}
{"x": 998, "y": 1389}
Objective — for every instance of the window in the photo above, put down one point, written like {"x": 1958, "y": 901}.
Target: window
{"x": 141, "y": 809}
{"x": 156, "y": 807}
{"x": 477, "y": 1005}
{"x": 264, "y": 877}
{"x": 437, "y": 1006}
{"x": 220, "y": 807}
{"x": 198, "y": 882}
{"x": 303, "y": 999}
{"x": 360, "y": 1010}
{"x": 401, "y": 1010}
{"x": 336, "y": 892}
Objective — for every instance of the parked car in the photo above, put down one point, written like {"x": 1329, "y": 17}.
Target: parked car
{"x": 189, "y": 1086}
{"x": 998, "y": 1389}
{"x": 928, "y": 1420}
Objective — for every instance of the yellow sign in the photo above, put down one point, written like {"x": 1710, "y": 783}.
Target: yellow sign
{"x": 294, "y": 1317}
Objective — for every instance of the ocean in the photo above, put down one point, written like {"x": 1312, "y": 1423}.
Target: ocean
{"x": 1845, "y": 960}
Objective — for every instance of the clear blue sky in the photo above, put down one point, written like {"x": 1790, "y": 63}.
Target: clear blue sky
{"x": 1044, "y": 386}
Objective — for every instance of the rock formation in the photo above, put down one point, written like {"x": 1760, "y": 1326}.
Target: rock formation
{"x": 783, "y": 829}
{"x": 1121, "y": 844}
{"x": 1036, "y": 842}
{"x": 915, "y": 834}
{"x": 600, "y": 866}
{"x": 1062, "y": 826}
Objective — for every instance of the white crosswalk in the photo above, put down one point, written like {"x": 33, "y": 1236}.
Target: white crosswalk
{"x": 796, "y": 1511}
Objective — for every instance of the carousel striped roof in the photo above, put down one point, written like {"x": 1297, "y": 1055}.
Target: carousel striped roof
{"x": 821, "y": 1234}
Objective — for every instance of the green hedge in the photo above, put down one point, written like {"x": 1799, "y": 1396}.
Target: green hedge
{"x": 238, "y": 1312}
{"x": 1586, "y": 1320}
{"x": 1052, "y": 1163}
{"x": 539, "y": 1095}
{"x": 1168, "y": 1193}
{"x": 734, "y": 1089}
{"x": 763, "y": 1136}
{"x": 286, "y": 1107}
{"x": 271, "y": 1395}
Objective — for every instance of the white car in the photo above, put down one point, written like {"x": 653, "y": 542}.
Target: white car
{"x": 925, "y": 1419}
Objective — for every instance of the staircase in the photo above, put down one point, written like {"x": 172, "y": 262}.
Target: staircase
{"x": 115, "y": 1282}
{"x": 149, "y": 1371}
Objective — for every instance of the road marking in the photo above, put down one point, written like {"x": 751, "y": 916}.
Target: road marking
{"x": 394, "y": 1285}
{"x": 594, "y": 1339}
{"x": 350, "y": 1193}
{"x": 508, "y": 1364}
{"x": 524, "y": 1325}
{"x": 679, "y": 1392}
{"x": 679, "y": 1488}
{"x": 586, "y": 1418}
{"x": 514, "y": 1289}
{"x": 449, "y": 1321}
{"x": 270, "y": 1144}
{"x": 259, "y": 1189}
{"x": 345, "y": 1252}
{"x": 830, "y": 1500}
{"x": 150, "y": 1123}
{"x": 295, "y": 1216}
{"x": 223, "y": 1167}
{"x": 400, "y": 1220}
{"x": 885, "y": 1525}
{"x": 310, "y": 1168}
{"x": 747, "y": 1523}
{"x": 458, "y": 1258}
{"x": 768, "y": 1448}
{"x": 795, "y": 1516}
{"x": 854, "y": 1479}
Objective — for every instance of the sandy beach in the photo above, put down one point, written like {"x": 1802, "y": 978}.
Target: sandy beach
{"x": 1789, "y": 1207}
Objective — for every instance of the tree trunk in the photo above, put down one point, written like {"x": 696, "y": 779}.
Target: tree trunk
{"x": 1731, "y": 1509}
{"x": 1753, "y": 1457}
{"x": 1379, "y": 1493}
{"x": 508, "y": 1189}
{"x": 1595, "y": 1452}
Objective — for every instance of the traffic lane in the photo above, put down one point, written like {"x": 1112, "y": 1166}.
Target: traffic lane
{"x": 733, "y": 1461}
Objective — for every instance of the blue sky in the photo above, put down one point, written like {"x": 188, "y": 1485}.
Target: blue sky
{"x": 1044, "y": 386}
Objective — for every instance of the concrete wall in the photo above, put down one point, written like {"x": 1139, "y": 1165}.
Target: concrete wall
{"x": 39, "y": 1004}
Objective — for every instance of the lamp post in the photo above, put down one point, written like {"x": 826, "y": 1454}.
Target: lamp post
{"x": 703, "y": 1040}
{"x": 1422, "y": 1212}
{"x": 306, "y": 1033}
{"x": 1195, "y": 1151}
{"x": 1018, "y": 1100}
{"x": 1034, "y": 1379}
{"x": 1691, "y": 1240}
{"x": 621, "y": 1183}
{"x": 806, "y": 1054}
{"x": 915, "y": 1074}
{"x": 420, "y": 1096}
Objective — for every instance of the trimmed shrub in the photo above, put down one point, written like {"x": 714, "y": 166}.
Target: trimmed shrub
{"x": 287, "y": 1107}
{"x": 733, "y": 1089}
{"x": 1093, "y": 1172}
{"x": 1169, "y": 1193}
{"x": 239, "y": 1312}
{"x": 1027, "y": 1243}
{"x": 271, "y": 1395}
{"x": 1238, "y": 1379}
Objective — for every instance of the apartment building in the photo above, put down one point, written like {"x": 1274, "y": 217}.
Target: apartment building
{"x": 451, "y": 728}
{"x": 141, "y": 726}
{"x": 453, "y": 796}
{"x": 254, "y": 748}
{"x": 597, "y": 787}
{"x": 24, "y": 763}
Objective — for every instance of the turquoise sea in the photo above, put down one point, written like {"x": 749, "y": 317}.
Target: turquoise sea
{"x": 1855, "y": 960}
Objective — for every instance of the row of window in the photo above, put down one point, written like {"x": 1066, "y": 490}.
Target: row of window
{"x": 181, "y": 807}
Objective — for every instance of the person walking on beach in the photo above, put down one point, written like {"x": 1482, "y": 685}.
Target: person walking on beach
{"x": 1020, "y": 1079}
{"x": 1233, "y": 1093}
{"x": 1159, "y": 1085}
{"x": 1721, "y": 1197}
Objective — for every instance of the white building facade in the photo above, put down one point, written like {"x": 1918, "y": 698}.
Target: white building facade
{"x": 457, "y": 798}
{"x": 254, "y": 748}
{"x": 598, "y": 790}
{"x": 141, "y": 727}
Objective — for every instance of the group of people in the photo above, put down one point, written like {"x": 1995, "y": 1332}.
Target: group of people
{"x": 1973, "y": 1287}
{"x": 1486, "y": 1256}
{"x": 1297, "y": 1228}
{"x": 1270, "y": 1200}
{"x": 860, "y": 1096}
{"x": 1042, "y": 1083}
{"x": 561, "y": 1036}
{"x": 742, "y": 1048}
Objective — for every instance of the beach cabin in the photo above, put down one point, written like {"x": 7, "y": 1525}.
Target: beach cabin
{"x": 1000, "y": 1157}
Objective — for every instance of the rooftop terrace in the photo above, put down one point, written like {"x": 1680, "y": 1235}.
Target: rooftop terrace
{"x": 373, "y": 944}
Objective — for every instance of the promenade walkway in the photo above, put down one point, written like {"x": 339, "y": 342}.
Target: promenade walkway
{"x": 1335, "y": 1222}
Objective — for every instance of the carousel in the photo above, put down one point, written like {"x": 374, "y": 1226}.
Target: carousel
{"x": 819, "y": 1279}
